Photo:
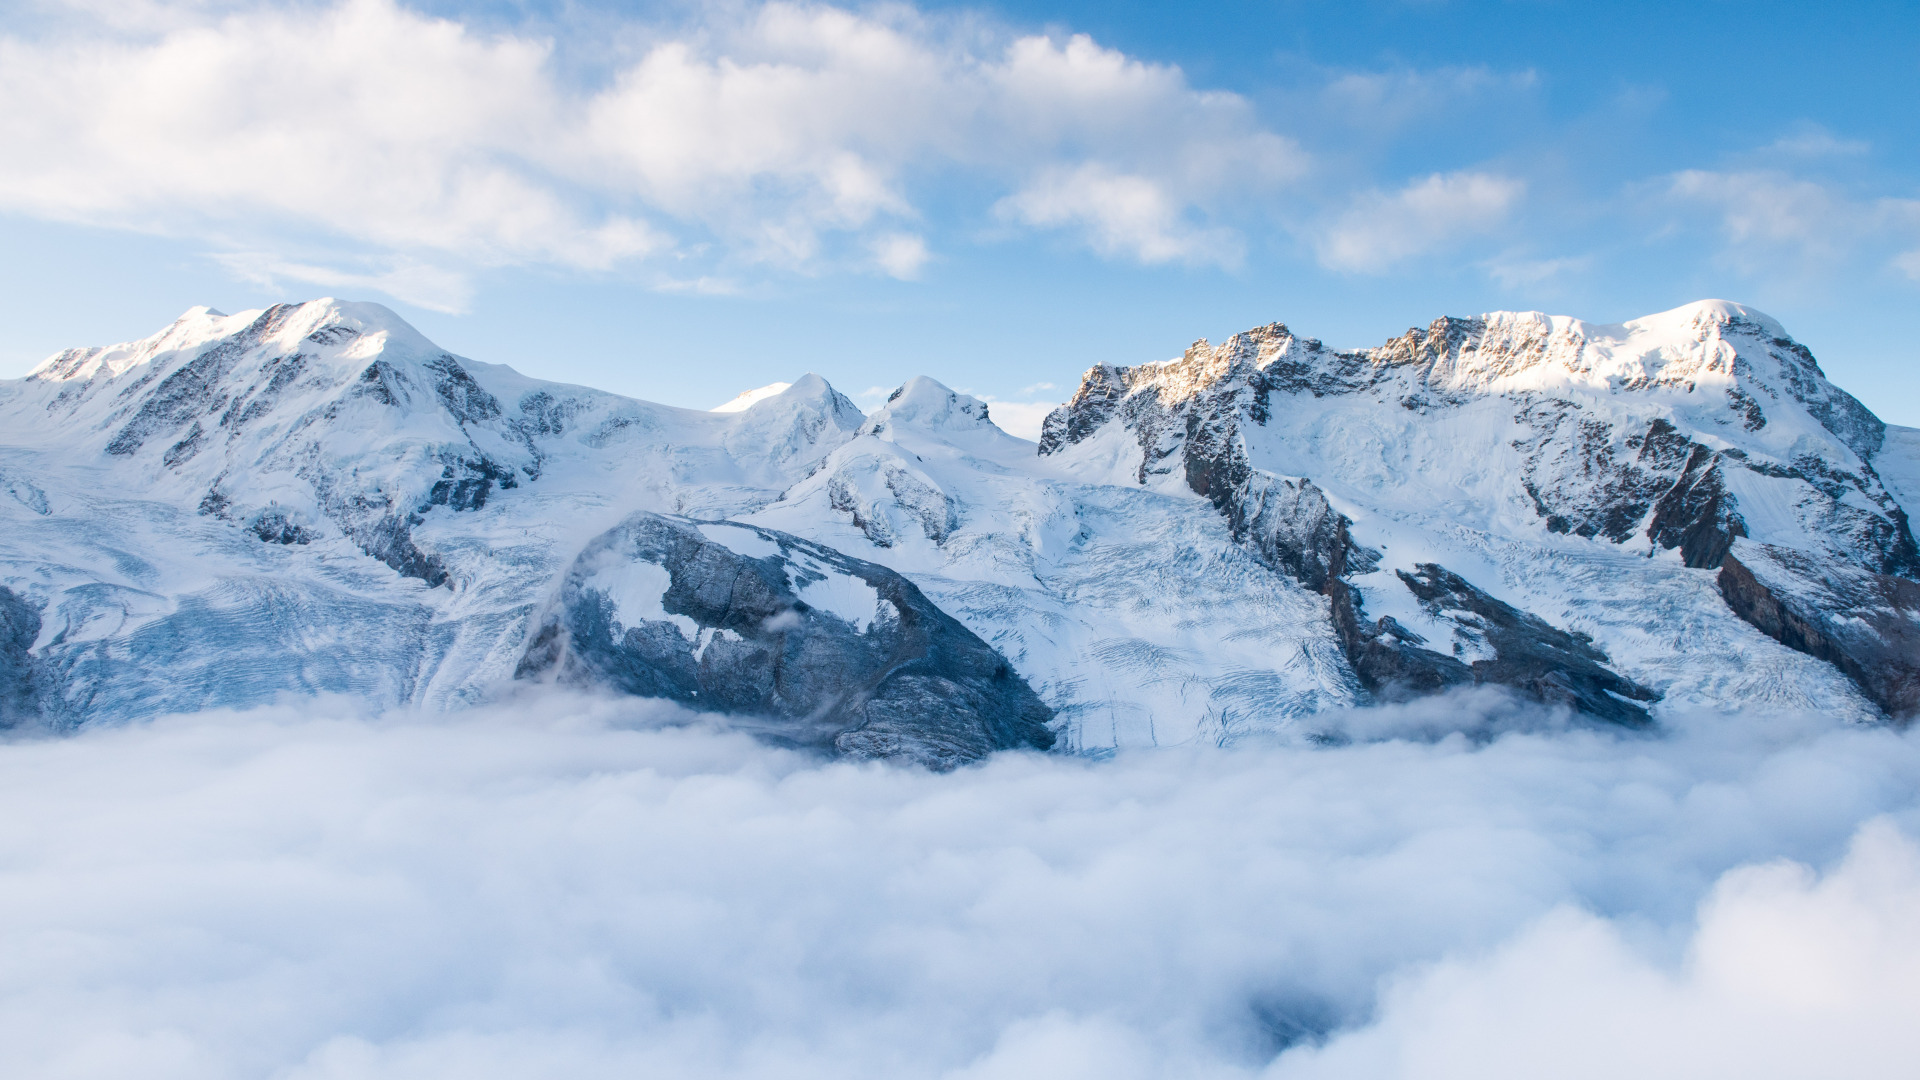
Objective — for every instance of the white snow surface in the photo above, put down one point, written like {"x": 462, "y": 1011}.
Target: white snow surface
{"x": 747, "y": 399}
{"x": 208, "y": 498}
{"x": 637, "y": 590}
{"x": 740, "y": 541}
{"x": 845, "y": 597}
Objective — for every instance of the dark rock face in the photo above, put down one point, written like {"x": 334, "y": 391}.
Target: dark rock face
{"x": 1700, "y": 517}
{"x": 1865, "y": 624}
{"x": 885, "y": 673}
{"x": 1542, "y": 661}
{"x": 390, "y": 539}
{"x": 1615, "y": 486}
{"x": 463, "y": 398}
{"x": 274, "y": 526}
{"x": 1101, "y": 392}
{"x": 1292, "y": 527}
{"x": 1696, "y": 515}
{"x": 467, "y": 480}
{"x": 20, "y": 691}
{"x": 1838, "y": 411}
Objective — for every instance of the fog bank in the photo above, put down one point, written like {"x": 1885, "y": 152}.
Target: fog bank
{"x": 561, "y": 886}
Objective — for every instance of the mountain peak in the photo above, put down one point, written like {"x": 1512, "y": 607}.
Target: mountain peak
{"x": 926, "y": 403}
{"x": 325, "y": 321}
{"x": 1702, "y": 313}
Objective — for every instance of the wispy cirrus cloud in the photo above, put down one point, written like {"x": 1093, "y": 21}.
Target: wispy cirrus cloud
{"x": 424, "y": 284}
{"x": 1119, "y": 215}
{"x": 1776, "y": 224}
{"x": 1380, "y": 229}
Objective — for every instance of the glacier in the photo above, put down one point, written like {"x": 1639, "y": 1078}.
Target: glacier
{"x": 1619, "y": 520}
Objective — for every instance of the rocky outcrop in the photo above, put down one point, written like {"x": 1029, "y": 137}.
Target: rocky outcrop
{"x": 20, "y": 690}
{"x": 1293, "y": 528}
{"x": 1865, "y": 624}
{"x": 1696, "y": 515}
{"x": 1541, "y": 661}
{"x": 797, "y": 641}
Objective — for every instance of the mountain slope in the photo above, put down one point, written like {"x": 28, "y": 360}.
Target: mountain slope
{"x": 1676, "y": 512}
{"x": 1560, "y": 468}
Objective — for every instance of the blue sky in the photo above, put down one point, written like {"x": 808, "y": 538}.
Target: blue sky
{"x": 679, "y": 201}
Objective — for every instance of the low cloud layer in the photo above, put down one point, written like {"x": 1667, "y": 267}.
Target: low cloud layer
{"x": 558, "y": 886}
{"x": 1788, "y": 975}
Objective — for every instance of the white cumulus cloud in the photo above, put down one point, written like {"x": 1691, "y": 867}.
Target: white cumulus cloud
{"x": 761, "y": 132}
{"x": 901, "y": 254}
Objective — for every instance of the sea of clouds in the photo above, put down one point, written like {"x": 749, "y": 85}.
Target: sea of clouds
{"x": 557, "y": 886}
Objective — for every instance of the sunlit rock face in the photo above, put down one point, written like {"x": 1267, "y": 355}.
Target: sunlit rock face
{"x": 1672, "y": 513}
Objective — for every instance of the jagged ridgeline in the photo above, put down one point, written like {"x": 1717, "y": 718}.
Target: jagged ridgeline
{"x": 1677, "y": 512}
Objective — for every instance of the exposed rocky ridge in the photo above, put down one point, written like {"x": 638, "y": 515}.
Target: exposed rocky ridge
{"x": 1541, "y": 661}
{"x": 668, "y": 608}
{"x": 1673, "y": 432}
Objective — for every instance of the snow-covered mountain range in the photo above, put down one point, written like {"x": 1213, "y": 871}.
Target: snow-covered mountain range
{"x": 1676, "y": 512}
